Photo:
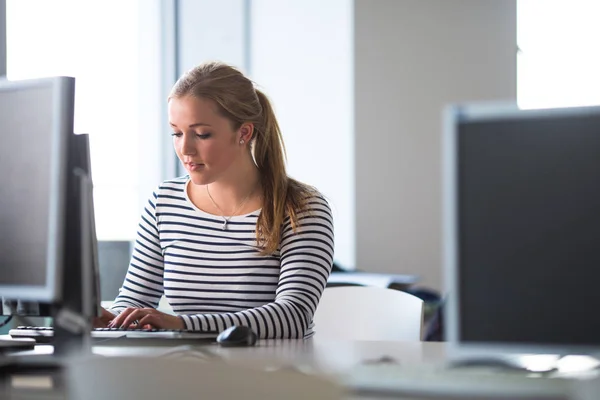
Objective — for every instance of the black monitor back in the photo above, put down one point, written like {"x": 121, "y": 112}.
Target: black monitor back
{"x": 526, "y": 234}
{"x": 79, "y": 217}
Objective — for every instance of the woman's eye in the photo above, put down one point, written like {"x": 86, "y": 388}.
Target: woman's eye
{"x": 176, "y": 134}
{"x": 203, "y": 135}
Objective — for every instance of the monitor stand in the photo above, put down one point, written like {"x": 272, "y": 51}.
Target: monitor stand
{"x": 16, "y": 345}
{"x": 13, "y": 358}
{"x": 71, "y": 339}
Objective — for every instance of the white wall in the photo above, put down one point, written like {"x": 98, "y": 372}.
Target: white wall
{"x": 410, "y": 58}
{"x": 301, "y": 55}
{"x": 210, "y": 30}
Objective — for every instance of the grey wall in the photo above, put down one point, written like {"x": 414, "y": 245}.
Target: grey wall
{"x": 412, "y": 57}
{"x": 113, "y": 259}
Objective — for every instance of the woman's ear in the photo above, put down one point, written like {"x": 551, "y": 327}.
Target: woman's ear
{"x": 246, "y": 132}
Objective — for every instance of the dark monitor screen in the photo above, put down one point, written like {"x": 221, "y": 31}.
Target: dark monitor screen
{"x": 528, "y": 227}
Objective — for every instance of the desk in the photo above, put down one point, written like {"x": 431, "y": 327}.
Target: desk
{"x": 314, "y": 356}
{"x": 321, "y": 356}
{"x": 400, "y": 282}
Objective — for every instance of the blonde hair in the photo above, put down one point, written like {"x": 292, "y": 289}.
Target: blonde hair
{"x": 239, "y": 101}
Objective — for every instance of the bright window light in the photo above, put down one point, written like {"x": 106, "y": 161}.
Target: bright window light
{"x": 559, "y": 61}
{"x": 95, "y": 41}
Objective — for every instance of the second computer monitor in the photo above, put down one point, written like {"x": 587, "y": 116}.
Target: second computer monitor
{"x": 522, "y": 229}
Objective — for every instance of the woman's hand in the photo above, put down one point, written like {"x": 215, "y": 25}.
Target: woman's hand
{"x": 146, "y": 318}
{"x": 104, "y": 319}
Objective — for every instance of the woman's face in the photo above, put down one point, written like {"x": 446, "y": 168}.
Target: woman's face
{"x": 204, "y": 141}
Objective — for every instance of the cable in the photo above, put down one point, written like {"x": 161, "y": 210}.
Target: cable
{"x": 6, "y": 321}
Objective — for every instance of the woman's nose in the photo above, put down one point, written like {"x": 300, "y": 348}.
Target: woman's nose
{"x": 187, "y": 145}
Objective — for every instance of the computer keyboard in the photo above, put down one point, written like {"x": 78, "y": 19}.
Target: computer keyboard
{"x": 44, "y": 334}
{"x": 440, "y": 380}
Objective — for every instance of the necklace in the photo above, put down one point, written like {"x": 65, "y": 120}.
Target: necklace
{"x": 226, "y": 219}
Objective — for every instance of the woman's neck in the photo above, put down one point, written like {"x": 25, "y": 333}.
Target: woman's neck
{"x": 231, "y": 190}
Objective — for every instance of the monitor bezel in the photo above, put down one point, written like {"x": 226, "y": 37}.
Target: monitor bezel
{"x": 63, "y": 93}
{"x": 453, "y": 115}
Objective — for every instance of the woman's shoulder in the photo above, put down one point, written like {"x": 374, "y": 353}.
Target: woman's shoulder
{"x": 310, "y": 199}
{"x": 313, "y": 214}
{"x": 316, "y": 200}
{"x": 172, "y": 186}
{"x": 306, "y": 192}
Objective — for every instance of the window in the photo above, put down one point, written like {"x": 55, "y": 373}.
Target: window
{"x": 97, "y": 42}
{"x": 558, "y": 62}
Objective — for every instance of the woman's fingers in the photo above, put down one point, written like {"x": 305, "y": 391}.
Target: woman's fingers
{"x": 119, "y": 319}
{"x": 162, "y": 321}
{"x": 152, "y": 320}
{"x": 135, "y": 315}
{"x": 146, "y": 318}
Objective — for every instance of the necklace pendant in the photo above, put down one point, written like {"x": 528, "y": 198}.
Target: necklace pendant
{"x": 224, "y": 225}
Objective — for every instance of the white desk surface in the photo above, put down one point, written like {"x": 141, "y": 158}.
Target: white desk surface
{"x": 321, "y": 356}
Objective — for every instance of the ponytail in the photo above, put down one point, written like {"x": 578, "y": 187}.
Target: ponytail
{"x": 282, "y": 195}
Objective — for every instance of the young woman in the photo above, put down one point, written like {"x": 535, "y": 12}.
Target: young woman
{"x": 236, "y": 241}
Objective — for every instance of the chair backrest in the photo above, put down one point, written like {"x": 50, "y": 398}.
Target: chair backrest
{"x": 149, "y": 378}
{"x": 369, "y": 313}
{"x": 113, "y": 260}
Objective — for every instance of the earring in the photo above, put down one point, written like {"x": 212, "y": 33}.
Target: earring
{"x": 242, "y": 141}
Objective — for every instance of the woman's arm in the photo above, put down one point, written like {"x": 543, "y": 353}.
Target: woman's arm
{"x": 143, "y": 284}
{"x": 306, "y": 259}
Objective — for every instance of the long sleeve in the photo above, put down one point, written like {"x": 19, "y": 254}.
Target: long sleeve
{"x": 143, "y": 284}
{"x": 306, "y": 257}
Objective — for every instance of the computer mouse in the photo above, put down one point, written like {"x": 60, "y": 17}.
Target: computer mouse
{"x": 237, "y": 335}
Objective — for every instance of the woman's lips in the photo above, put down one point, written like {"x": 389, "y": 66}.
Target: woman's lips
{"x": 194, "y": 166}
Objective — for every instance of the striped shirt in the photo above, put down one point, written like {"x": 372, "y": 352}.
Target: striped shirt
{"x": 215, "y": 278}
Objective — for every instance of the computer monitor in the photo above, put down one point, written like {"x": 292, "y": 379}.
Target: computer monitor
{"x": 48, "y": 248}
{"x": 81, "y": 282}
{"x": 36, "y": 120}
{"x": 522, "y": 230}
